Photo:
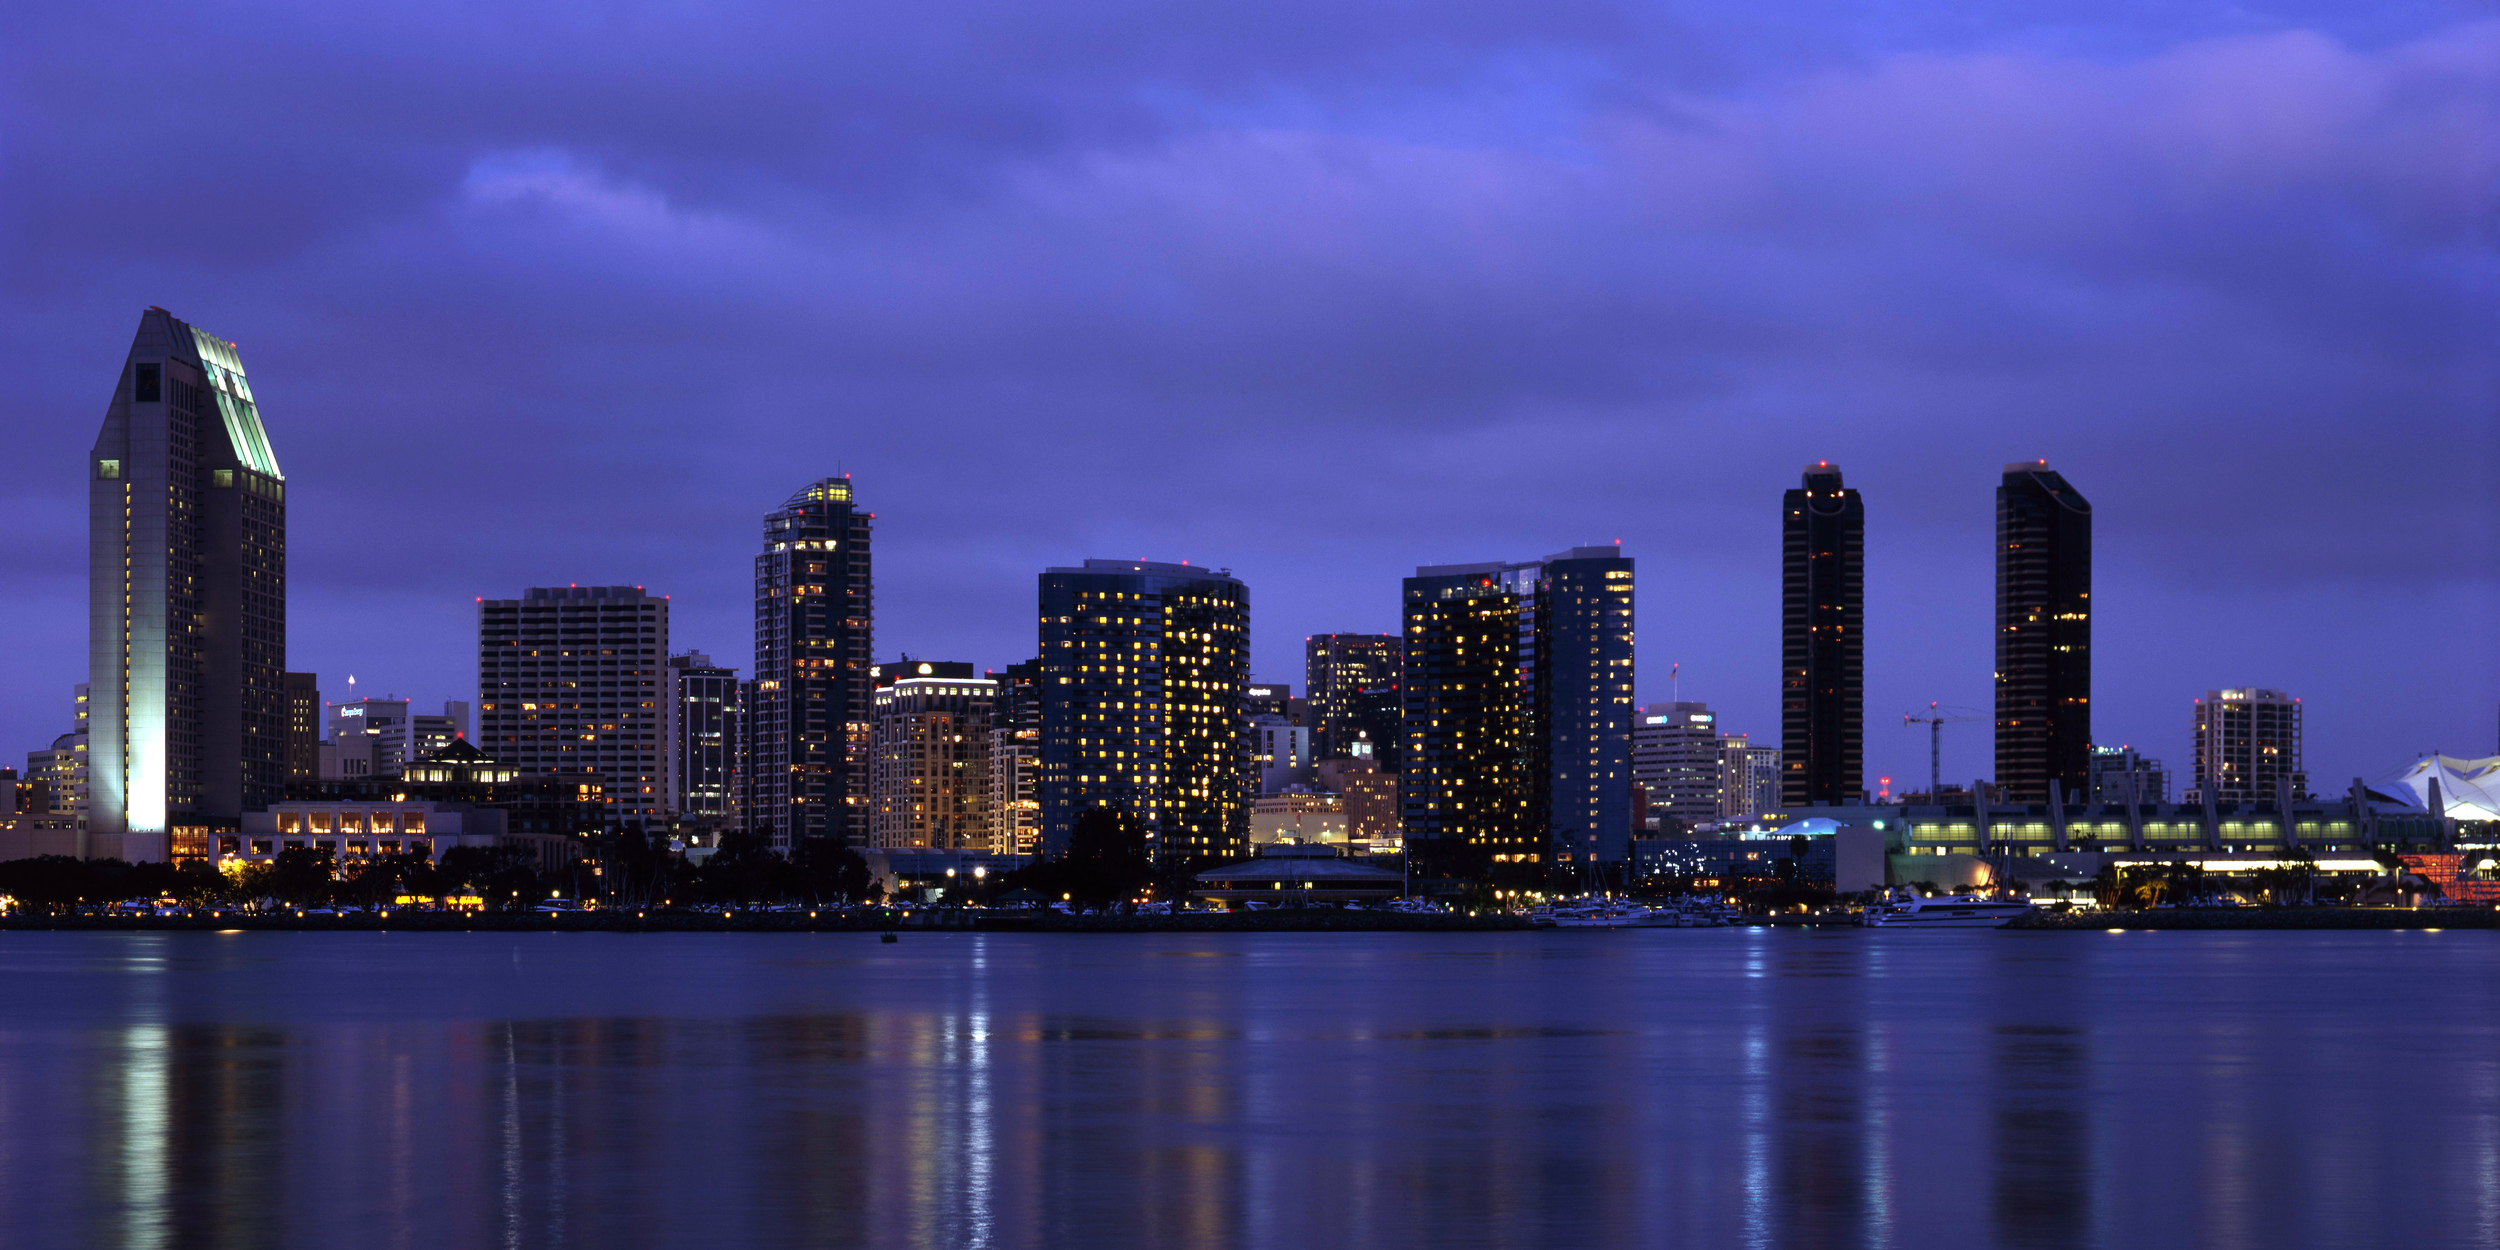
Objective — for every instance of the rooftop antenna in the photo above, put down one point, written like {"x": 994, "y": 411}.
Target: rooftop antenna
{"x": 1675, "y": 688}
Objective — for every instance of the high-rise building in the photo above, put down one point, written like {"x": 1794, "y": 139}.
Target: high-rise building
{"x": 814, "y": 633}
{"x": 2121, "y": 775}
{"x": 929, "y": 757}
{"x": 1144, "y": 669}
{"x": 1016, "y": 759}
{"x": 2044, "y": 635}
{"x": 702, "y": 727}
{"x": 1750, "y": 778}
{"x": 1518, "y": 695}
{"x": 2248, "y": 746}
{"x": 570, "y": 686}
{"x": 1351, "y": 680}
{"x": 1675, "y": 760}
{"x": 1822, "y": 641}
{"x": 303, "y": 727}
{"x": 1280, "y": 754}
{"x": 186, "y": 602}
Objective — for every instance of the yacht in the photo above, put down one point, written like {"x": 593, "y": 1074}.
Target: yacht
{"x": 1905, "y": 909}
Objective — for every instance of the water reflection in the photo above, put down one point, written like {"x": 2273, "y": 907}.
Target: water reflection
{"x": 1766, "y": 1089}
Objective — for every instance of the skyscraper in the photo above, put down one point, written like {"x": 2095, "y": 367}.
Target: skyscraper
{"x": 569, "y": 686}
{"x": 186, "y": 595}
{"x": 2248, "y": 746}
{"x": 929, "y": 770}
{"x": 1675, "y": 758}
{"x": 1339, "y": 670}
{"x": 1144, "y": 669}
{"x": 814, "y": 629}
{"x": 702, "y": 727}
{"x": 1822, "y": 641}
{"x": 1518, "y": 728}
{"x": 2044, "y": 635}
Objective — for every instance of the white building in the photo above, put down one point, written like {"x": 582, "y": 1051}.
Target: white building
{"x": 1280, "y": 751}
{"x": 1675, "y": 760}
{"x": 1749, "y": 778}
{"x": 2248, "y": 746}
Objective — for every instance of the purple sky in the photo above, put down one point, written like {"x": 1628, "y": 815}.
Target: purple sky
{"x": 545, "y": 293}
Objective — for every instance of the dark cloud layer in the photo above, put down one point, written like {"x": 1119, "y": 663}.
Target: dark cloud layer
{"x": 555, "y": 293}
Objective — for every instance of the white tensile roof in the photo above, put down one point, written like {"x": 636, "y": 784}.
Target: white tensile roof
{"x": 2468, "y": 789}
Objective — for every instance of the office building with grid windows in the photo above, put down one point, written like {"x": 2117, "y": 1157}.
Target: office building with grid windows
{"x": 808, "y": 721}
{"x": 570, "y": 686}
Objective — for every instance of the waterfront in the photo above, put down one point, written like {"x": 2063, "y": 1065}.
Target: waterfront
{"x": 1704, "y": 1088}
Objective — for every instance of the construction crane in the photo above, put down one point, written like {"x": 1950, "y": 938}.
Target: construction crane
{"x": 1935, "y": 720}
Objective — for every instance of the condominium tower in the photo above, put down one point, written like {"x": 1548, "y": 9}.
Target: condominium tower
{"x": 1144, "y": 669}
{"x": 569, "y": 685}
{"x": 2248, "y": 747}
{"x": 1351, "y": 683}
{"x": 1822, "y": 641}
{"x": 1517, "y": 681}
{"x": 929, "y": 757}
{"x": 186, "y": 602}
{"x": 814, "y": 627}
{"x": 704, "y": 706}
{"x": 2044, "y": 635}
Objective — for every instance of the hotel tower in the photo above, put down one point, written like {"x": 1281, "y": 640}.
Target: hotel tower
{"x": 186, "y": 602}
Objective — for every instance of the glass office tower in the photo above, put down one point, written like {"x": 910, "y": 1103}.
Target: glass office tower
{"x": 2044, "y": 635}
{"x": 186, "y": 625}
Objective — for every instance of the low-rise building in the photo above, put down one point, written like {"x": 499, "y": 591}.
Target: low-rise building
{"x": 1297, "y": 815}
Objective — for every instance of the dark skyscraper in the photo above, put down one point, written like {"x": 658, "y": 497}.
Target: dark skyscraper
{"x": 2044, "y": 634}
{"x": 1340, "y": 670}
{"x": 1144, "y": 670}
{"x": 186, "y": 602}
{"x": 1822, "y": 641}
{"x": 1518, "y": 726}
{"x": 814, "y": 629}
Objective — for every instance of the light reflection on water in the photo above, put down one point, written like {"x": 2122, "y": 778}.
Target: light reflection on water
{"x": 1649, "y": 1089}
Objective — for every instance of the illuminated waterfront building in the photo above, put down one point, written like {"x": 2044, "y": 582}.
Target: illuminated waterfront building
{"x": 2248, "y": 746}
{"x": 1144, "y": 670}
{"x": 808, "y": 726}
{"x": 929, "y": 757}
{"x": 2044, "y": 635}
{"x": 1822, "y": 641}
{"x": 1518, "y": 698}
{"x": 186, "y": 625}
{"x": 1016, "y": 759}
{"x": 569, "y": 687}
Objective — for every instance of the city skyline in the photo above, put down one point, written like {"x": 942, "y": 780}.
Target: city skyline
{"x": 1424, "y": 298}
